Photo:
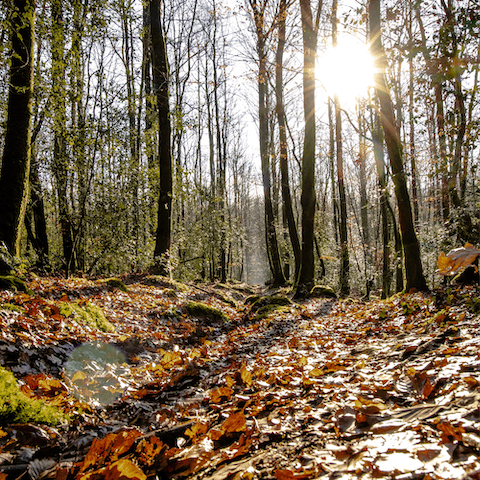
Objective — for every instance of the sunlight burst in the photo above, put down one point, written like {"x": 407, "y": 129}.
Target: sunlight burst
{"x": 346, "y": 70}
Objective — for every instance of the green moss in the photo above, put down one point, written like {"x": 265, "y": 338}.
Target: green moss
{"x": 11, "y": 282}
{"x": 87, "y": 314}
{"x": 251, "y": 299}
{"x": 322, "y": 291}
{"x": 265, "y": 311}
{"x": 16, "y": 407}
{"x": 116, "y": 283}
{"x": 225, "y": 298}
{"x": 169, "y": 292}
{"x": 273, "y": 300}
{"x": 199, "y": 309}
{"x": 12, "y": 308}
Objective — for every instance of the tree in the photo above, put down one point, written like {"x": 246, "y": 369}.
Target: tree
{"x": 60, "y": 160}
{"x": 344, "y": 257}
{"x": 413, "y": 263}
{"x": 160, "y": 84}
{"x": 262, "y": 34}
{"x": 286, "y": 195}
{"x": 14, "y": 175}
{"x": 306, "y": 277}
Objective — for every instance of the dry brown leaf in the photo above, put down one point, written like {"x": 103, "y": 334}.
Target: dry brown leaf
{"x": 219, "y": 393}
{"x": 246, "y": 376}
{"x": 284, "y": 474}
{"x": 236, "y": 422}
{"x": 122, "y": 469}
{"x": 112, "y": 446}
{"x": 456, "y": 260}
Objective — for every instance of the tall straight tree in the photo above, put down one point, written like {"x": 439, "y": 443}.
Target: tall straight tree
{"x": 15, "y": 170}
{"x": 60, "y": 161}
{"x": 160, "y": 85}
{"x": 306, "y": 277}
{"x": 258, "y": 9}
{"x": 286, "y": 196}
{"x": 413, "y": 263}
{"x": 344, "y": 257}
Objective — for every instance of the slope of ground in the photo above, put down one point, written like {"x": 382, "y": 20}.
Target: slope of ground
{"x": 211, "y": 382}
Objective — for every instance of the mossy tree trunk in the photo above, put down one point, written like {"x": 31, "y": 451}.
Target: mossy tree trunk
{"x": 14, "y": 175}
{"x": 413, "y": 264}
{"x": 60, "y": 160}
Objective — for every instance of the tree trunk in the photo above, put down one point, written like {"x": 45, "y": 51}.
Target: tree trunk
{"x": 413, "y": 263}
{"x": 306, "y": 278}
{"x": 288, "y": 213}
{"x": 60, "y": 161}
{"x": 160, "y": 83}
{"x": 362, "y": 158}
{"x": 39, "y": 220}
{"x": 378, "y": 152}
{"x": 15, "y": 169}
{"x": 271, "y": 235}
{"x": 344, "y": 257}
{"x": 411, "y": 118}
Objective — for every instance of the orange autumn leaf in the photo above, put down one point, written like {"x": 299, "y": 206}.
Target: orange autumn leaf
{"x": 456, "y": 260}
{"x": 170, "y": 359}
{"x": 448, "y": 430}
{"x": 219, "y": 393}
{"x": 246, "y": 376}
{"x": 229, "y": 381}
{"x": 428, "y": 388}
{"x": 236, "y": 422}
{"x": 112, "y": 446}
{"x": 197, "y": 430}
{"x": 122, "y": 469}
{"x": 284, "y": 474}
{"x": 152, "y": 451}
{"x": 316, "y": 372}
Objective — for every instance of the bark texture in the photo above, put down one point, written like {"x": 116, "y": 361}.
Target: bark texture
{"x": 306, "y": 278}
{"x": 160, "y": 84}
{"x": 15, "y": 170}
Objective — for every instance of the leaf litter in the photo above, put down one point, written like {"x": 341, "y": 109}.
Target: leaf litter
{"x": 323, "y": 389}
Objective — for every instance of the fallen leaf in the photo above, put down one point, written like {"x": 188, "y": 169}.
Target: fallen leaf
{"x": 457, "y": 259}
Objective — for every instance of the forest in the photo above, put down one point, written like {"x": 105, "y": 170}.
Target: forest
{"x": 239, "y": 239}
{"x": 201, "y": 139}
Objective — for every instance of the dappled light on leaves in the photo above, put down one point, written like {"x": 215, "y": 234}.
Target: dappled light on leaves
{"x": 324, "y": 388}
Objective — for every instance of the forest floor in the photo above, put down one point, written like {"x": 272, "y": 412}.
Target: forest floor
{"x": 334, "y": 389}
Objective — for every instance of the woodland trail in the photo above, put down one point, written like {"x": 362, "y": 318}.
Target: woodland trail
{"x": 238, "y": 389}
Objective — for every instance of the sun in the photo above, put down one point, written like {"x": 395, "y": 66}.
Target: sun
{"x": 346, "y": 71}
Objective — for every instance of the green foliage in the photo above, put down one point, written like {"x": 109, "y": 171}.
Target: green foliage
{"x": 86, "y": 314}
{"x": 199, "y": 309}
{"x": 16, "y": 407}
